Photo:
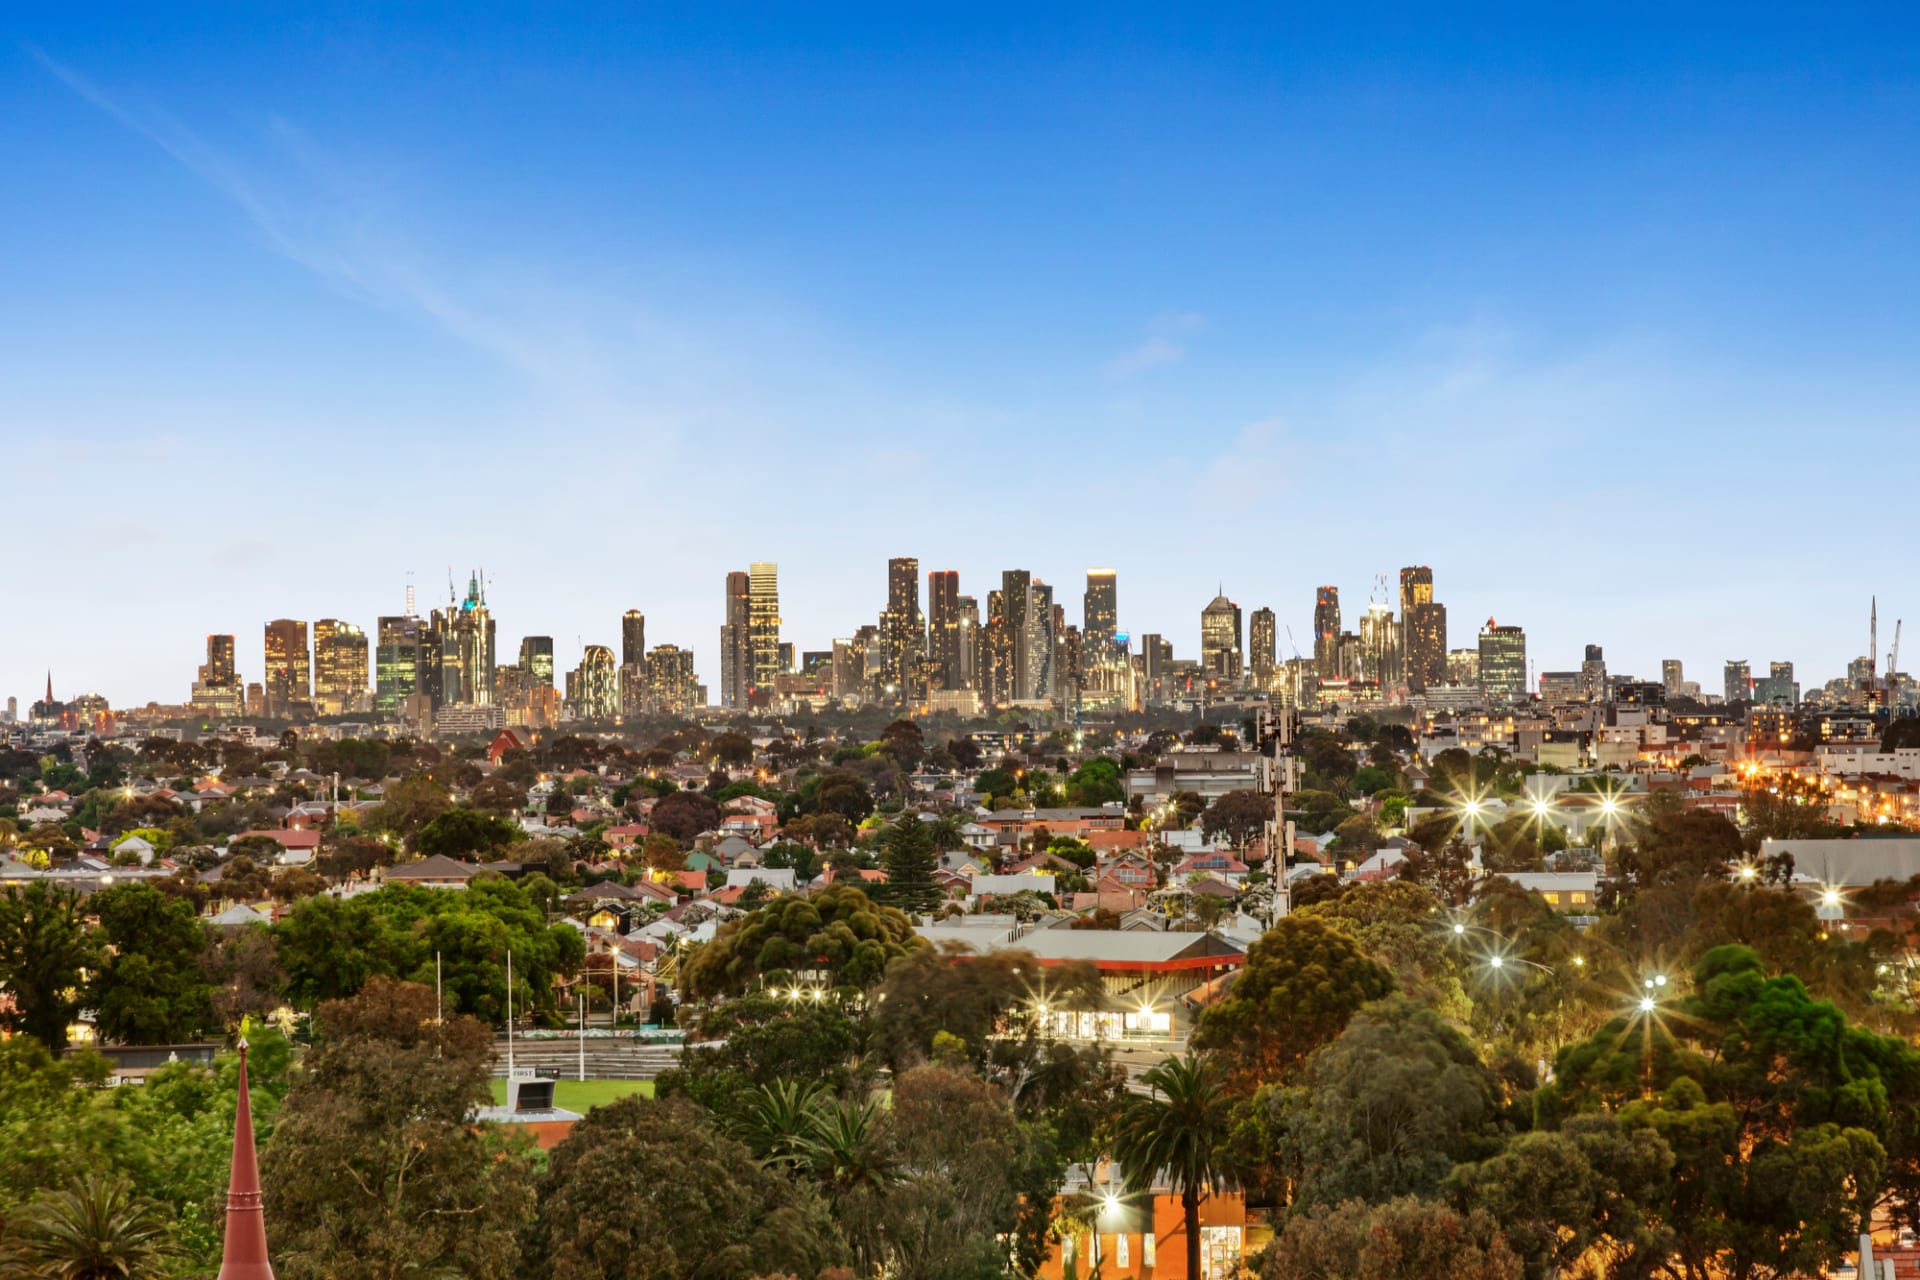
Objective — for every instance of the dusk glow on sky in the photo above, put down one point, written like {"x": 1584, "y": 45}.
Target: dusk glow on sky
{"x": 1613, "y": 326}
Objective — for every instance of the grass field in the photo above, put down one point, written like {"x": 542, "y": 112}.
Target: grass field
{"x": 583, "y": 1095}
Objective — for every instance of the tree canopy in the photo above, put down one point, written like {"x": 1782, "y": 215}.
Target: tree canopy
{"x": 1302, "y": 981}
{"x": 837, "y": 932}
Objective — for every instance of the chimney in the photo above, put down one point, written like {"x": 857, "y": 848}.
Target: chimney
{"x": 244, "y": 1256}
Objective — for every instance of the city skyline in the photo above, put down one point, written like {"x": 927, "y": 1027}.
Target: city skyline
{"x": 297, "y": 305}
{"x": 251, "y": 658}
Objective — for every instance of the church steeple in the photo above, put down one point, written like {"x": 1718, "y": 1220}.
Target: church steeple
{"x": 244, "y": 1256}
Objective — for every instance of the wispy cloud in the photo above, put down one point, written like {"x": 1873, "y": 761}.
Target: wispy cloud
{"x": 1150, "y": 354}
{"x": 315, "y": 210}
{"x": 1162, "y": 346}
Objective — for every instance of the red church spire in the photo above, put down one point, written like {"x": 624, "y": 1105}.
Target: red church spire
{"x": 245, "y": 1255}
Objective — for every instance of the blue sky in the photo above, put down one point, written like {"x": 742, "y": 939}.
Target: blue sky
{"x": 1611, "y": 322}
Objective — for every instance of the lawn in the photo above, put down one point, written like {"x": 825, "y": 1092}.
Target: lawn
{"x": 583, "y": 1095}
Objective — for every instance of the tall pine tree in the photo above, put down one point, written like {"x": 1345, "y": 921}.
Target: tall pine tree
{"x": 907, "y": 854}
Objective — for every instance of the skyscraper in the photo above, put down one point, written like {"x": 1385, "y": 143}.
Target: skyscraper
{"x": 1262, "y": 645}
{"x": 536, "y": 659}
{"x": 1593, "y": 675}
{"x": 218, "y": 690}
{"x": 593, "y": 688}
{"x": 967, "y": 650}
{"x": 400, "y": 665}
{"x": 465, "y": 631}
{"x": 1326, "y": 631}
{"x": 220, "y": 664}
{"x": 1042, "y": 630}
{"x": 1503, "y": 661}
{"x": 1672, "y": 676}
{"x": 1779, "y": 687}
{"x": 1012, "y": 615}
{"x": 339, "y": 667}
{"x": 902, "y": 629}
{"x": 1220, "y": 651}
{"x": 632, "y": 677}
{"x": 672, "y": 687}
{"x": 1738, "y": 680}
{"x": 1100, "y": 612}
{"x": 1000, "y": 657}
{"x": 633, "y": 638}
{"x": 288, "y": 678}
{"x": 944, "y": 639}
{"x": 763, "y": 624}
{"x": 1423, "y": 623}
{"x": 1156, "y": 655}
{"x": 1382, "y": 646}
{"x": 736, "y": 642}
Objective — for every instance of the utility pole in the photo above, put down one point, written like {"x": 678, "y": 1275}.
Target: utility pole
{"x": 1280, "y": 776}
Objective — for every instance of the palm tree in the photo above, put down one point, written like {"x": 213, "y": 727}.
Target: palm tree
{"x": 947, "y": 829}
{"x": 851, "y": 1157}
{"x": 778, "y": 1123}
{"x": 1175, "y": 1132}
{"x": 844, "y": 1146}
{"x": 96, "y": 1229}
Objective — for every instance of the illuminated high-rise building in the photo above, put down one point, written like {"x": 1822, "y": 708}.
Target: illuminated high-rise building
{"x": 944, "y": 636}
{"x": 1042, "y": 628}
{"x": 763, "y": 624}
{"x": 1002, "y": 651}
{"x": 1262, "y": 645}
{"x": 465, "y": 631}
{"x": 1100, "y": 611}
{"x": 220, "y": 669}
{"x": 1423, "y": 629}
{"x": 536, "y": 659}
{"x": 406, "y": 662}
{"x": 339, "y": 667}
{"x": 672, "y": 688}
{"x": 1672, "y": 676}
{"x": 1779, "y": 688}
{"x": 1382, "y": 647}
{"x": 593, "y": 686}
{"x": 632, "y": 677}
{"x": 1013, "y": 617}
{"x": 1326, "y": 631}
{"x": 1220, "y": 648}
{"x": 218, "y": 691}
{"x": 902, "y": 630}
{"x": 736, "y": 641}
{"x": 1737, "y": 680}
{"x": 967, "y": 651}
{"x": 633, "y": 638}
{"x": 1503, "y": 661}
{"x": 288, "y": 678}
{"x": 1463, "y": 666}
{"x": 1593, "y": 674}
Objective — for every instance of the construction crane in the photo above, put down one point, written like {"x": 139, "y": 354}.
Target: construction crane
{"x": 1893, "y": 660}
